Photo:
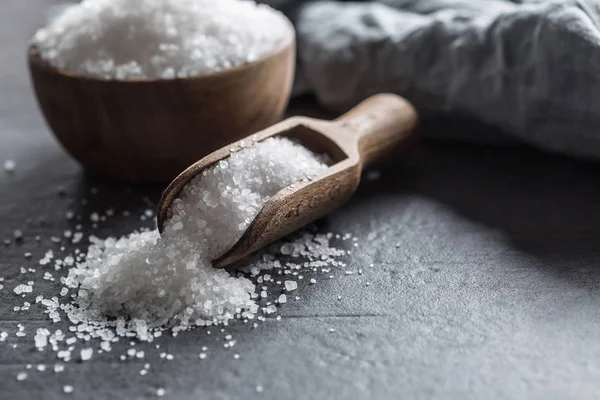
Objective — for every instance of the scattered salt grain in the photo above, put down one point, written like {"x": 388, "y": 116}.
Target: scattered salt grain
{"x": 21, "y": 376}
{"x": 160, "y": 392}
{"x": 41, "y": 338}
{"x": 23, "y": 289}
{"x": 86, "y": 354}
{"x": 77, "y": 236}
{"x": 9, "y": 166}
{"x": 270, "y": 309}
{"x": 290, "y": 285}
{"x": 282, "y": 299}
{"x": 68, "y": 389}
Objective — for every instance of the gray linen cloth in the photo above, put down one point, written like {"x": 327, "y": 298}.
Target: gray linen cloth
{"x": 529, "y": 68}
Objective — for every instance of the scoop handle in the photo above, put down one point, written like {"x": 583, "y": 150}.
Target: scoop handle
{"x": 379, "y": 124}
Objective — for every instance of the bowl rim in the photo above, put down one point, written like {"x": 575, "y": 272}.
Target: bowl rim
{"x": 35, "y": 59}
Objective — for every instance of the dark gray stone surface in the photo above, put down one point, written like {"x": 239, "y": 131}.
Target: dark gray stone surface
{"x": 485, "y": 285}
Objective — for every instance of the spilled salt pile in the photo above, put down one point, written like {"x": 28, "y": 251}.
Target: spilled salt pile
{"x": 148, "y": 280}
{"x": 127, "y": 299}
{"x": 164, "y": 39}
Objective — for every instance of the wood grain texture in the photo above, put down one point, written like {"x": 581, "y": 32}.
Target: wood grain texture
{"x": 143, "y": 131}
{"x": 366, "y": 133}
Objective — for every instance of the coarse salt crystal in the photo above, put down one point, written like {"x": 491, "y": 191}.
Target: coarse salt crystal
{"x": 86, "y": 354}
{"x": 9, "y": 165}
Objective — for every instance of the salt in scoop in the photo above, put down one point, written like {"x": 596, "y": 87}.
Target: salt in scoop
{"x": 355, "y": 140}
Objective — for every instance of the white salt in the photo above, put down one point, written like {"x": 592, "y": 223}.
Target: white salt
{"x": 68, "y": 389}
{"x": 86, "y": 354}
{"x": 41, "y": 338}
{"x": 168, "y": 279}
{"x": 9, "y": 165}
{"x": 23, "y": 289}
{"x": 290, "y": 285}
{"x": 270, "y": 309}
{"x": 77, "y": 236}
{"x": 21, "y": 376}
{"x": 125, "y": 39}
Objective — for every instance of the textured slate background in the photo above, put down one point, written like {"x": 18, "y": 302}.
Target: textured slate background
{"x": 486, "y": 279}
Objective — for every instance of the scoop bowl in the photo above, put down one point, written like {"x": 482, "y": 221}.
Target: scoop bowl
{"x": 380, "y": 125}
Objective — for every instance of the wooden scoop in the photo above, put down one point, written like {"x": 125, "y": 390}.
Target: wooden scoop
{"x": 353, "y": 141}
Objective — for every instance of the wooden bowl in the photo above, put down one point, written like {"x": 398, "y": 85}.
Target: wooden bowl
{"x": 147, "y": 131}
